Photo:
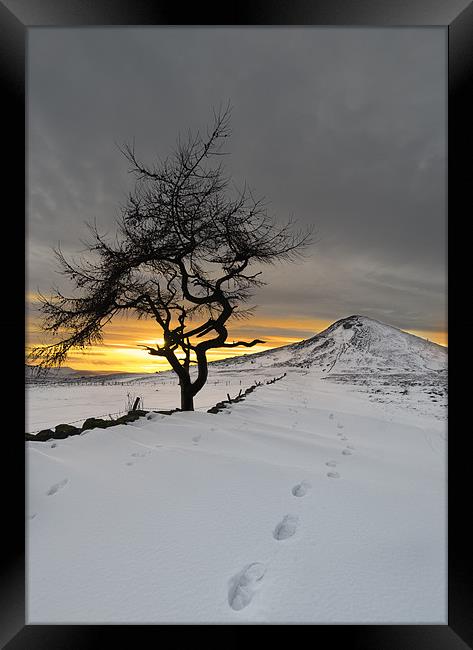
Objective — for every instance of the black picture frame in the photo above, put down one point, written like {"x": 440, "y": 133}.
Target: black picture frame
{"x": 16, "y": 17}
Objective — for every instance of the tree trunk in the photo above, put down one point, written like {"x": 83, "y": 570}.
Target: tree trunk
{"x": 187, "y": 398}
{"x": 202, "y": 372}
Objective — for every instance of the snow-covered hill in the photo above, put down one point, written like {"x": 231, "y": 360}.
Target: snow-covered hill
{"x": 355, "y": 350}
{"x": 354, "y": 344}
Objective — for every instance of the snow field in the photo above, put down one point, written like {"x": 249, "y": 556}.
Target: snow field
{"x": 260, "y": 513}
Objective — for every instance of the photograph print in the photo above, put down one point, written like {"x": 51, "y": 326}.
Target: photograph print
{"x": 236, "y": 364}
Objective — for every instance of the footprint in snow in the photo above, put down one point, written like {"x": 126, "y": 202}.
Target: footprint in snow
{"x": 330, "y": 417}
{"x": 343, "y": 438}
{"x": 286, "y": 528}
{"x": 53, "y": 445}
{"x": 244, "y": 584}
{"x": 300, "y": 490}
{"x": 347, "y": 452}
{"x": 129, "y": 463}
{"x": 33, "y": 515}
{"x": 140, "y": 454}
{"x": 57, "y": 486}
{"x": 196, "y": 439}
{"x": 331, "y": 463}
{"x": 350, "y": 447}
{"x": 333, "y": 475}
{"x": 340, "y": 426}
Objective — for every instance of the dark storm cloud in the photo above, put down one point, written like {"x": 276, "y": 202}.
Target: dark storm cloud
{"x": 342, "y": 128}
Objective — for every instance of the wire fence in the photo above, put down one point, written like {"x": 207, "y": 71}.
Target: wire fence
{"x": 155, "y": 409}
{"x": 152, "y": 409}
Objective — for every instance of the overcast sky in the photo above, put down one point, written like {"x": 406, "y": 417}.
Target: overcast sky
{"x": 341, "y": 128}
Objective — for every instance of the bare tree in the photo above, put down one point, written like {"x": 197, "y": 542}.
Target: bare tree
{"x": 181, "y": 256}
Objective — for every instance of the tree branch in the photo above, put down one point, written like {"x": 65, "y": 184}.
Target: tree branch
{"x": 246, "y": 344}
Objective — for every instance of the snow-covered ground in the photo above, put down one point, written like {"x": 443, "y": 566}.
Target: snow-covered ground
{"x": 318, "y": 499}
{"x": 49, "y": 405}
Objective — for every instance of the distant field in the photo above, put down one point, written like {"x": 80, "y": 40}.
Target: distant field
{"x": 51, "y": 404}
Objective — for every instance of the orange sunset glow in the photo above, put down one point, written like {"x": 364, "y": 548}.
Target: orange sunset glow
{"x": 120, "y": 351}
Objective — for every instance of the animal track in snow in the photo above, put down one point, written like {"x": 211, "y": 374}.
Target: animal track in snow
{"x": 129, "y": 463}
{"x": 347, "y": 452}
{"x": 140, "y": 454}
{"x": 57, "y": 486}
{"x": 286, "y": 528}
{"x": 196, "y": 439}
{"x": 244, "y": 584}
{"x": 331, "y": 463}
{"x": 33, "y": 515}
{"x": 300, "y": 490}
{"x": 350, "y": 447}
{"x": 330, "y": 417}
{"x": 340, "y": 426}
{"x": 343, "y": 438}
{"x": 333, "y": 475}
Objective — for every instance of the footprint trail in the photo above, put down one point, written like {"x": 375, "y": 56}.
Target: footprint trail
{"x": 286, "y": 528}
{"x": 333, "y": 475}
{"x": 244, "y": 585}
{"x": 301, "y": 489}
{"x": 57, "y": 486}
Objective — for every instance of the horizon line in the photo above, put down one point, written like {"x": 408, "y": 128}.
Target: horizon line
{"x": 163, "y": 366}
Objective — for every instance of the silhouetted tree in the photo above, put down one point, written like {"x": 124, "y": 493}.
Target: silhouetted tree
{"x": 181, "y": 256}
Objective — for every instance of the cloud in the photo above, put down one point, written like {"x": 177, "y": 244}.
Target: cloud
{"x": 342, "y": 128}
